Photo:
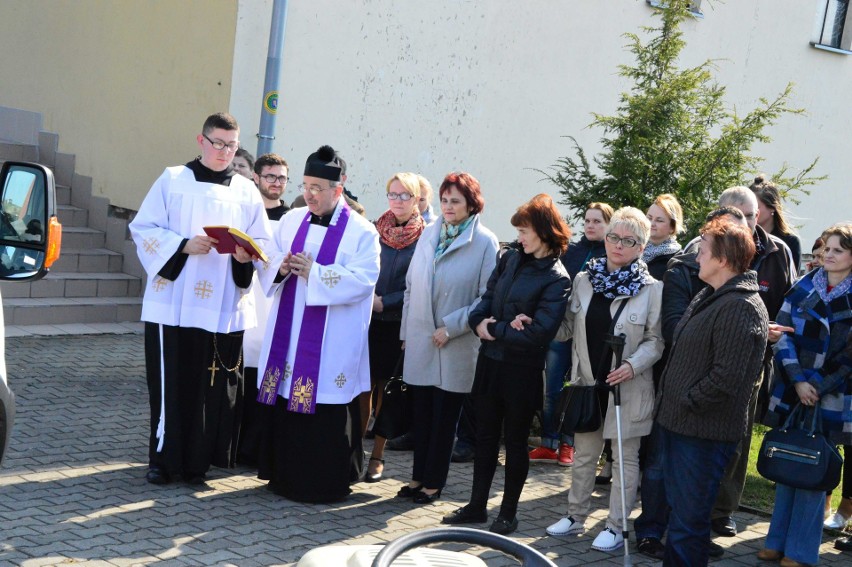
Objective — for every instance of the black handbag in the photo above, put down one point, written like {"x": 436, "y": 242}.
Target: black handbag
{"x": 579, "y": 410}
{"x": 800, "y": 456}
{"x": 394, "y": 417}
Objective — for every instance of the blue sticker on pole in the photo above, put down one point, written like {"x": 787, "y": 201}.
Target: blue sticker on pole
{"x": 270, "y": 102}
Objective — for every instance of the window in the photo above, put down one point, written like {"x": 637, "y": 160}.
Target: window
{"x": 831, "y": 31}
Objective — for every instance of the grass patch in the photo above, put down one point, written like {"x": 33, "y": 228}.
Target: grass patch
{"x": 759, "y": 493}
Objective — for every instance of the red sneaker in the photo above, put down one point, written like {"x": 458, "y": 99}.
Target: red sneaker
{"x": 542, "y": 455}
{"x": 566, "y": 455}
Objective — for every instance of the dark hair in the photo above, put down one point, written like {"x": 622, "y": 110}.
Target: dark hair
{"x": 606, "y": 210}
{"x": 843, "y": 231}
{"x": 221, "y": 120}
{"x": 468, "y": 186}
{"x": 269, "y": 159}
{"x": 732, "y": 243}
{"x": 818, "y": 243}
{"x": 244, "y": 153}
{"x": 767, "y": 193}
{"x": 541, "y": 215}
{"x": 723, "y": 211}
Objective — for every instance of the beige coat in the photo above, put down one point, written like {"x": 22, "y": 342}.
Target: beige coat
{"x": 640, "y": 322}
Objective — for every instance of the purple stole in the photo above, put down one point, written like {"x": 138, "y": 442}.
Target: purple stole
{"x": 305, "y": 372}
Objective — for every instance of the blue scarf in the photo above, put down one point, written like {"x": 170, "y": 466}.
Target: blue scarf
{"x": 821, "y": 286}
{"x": 449, "y": 233}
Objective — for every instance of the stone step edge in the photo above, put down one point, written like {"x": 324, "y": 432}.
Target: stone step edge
{"x": 64, "y": 329}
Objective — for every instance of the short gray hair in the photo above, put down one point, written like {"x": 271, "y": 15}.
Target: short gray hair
{"x": 634, "y": 220}
{"x": 738, "y": 195}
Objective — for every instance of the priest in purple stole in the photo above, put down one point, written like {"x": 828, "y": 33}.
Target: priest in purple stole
{"x": 314, "y": 362}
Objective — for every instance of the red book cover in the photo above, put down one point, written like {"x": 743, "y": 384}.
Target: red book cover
{"x": 230, "y": 238}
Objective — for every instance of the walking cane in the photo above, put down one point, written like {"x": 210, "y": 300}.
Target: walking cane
{"x": 617, "y": 343}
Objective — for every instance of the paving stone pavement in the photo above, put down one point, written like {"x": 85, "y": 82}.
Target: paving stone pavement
{"x": 72, "y": 490}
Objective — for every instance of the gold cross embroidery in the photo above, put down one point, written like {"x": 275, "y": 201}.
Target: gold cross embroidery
{"x": 151, "y": 245}
{"x": 159, "y": 283}
{"x": 203, "y": 289}
{"x": 270, "y": 379}
{"x": 302, "y": 394}
{"x": 340, "y": 380}
{"x": 330, "y": 278}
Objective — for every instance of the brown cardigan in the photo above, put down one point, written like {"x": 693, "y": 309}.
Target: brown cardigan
{"x": 715, "y": 362}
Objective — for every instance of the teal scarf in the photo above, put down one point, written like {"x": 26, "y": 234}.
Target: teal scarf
{"x": 449, "y": 233}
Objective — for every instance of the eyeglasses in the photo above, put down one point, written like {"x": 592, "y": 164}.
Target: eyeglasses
{"x": 401, "y": 196}
{"x": 220, "y": 145}
{"x": 270, "y": 178}
{"x": 313, "y": 189}
{"x": 627, "y": 242}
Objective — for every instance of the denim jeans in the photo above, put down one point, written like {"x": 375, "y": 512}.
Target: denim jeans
{"x": 691, "y": 472}
{"x": 796, "y": 525}
{"x": 557, "y": 363}
{"x": 654, "y": 518}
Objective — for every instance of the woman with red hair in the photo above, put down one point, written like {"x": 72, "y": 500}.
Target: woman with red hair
{"x": 516, "y": 320}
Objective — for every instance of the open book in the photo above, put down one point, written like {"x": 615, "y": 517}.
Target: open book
{"x": 229, "y": 238}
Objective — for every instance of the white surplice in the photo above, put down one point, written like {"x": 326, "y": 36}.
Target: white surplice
{"x": 204, "y": 294}
{"x": 345, "y": 286}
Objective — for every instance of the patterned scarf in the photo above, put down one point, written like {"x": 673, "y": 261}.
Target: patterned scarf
{"x": 821, "y": 286}
{"x": 400, "y": 236}
{"x": 449, "y": 233}
{"x": 665, "y": 247}
{"x": 627, "y": 280}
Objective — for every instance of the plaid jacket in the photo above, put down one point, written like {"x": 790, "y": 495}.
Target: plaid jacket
{"x": 818, "y": 352}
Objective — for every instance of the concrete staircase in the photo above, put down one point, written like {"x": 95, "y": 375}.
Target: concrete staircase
{"x": 96, "y": 284}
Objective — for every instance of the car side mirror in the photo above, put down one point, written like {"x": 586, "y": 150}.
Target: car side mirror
{"x": 30, "y": 233}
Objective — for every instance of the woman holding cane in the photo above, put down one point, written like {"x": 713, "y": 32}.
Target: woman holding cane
{"x": 615, "y": 295}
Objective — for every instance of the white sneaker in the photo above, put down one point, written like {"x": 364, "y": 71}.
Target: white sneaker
{"x": 608, "y": 540}
{"x": 565, "y": 526}
{"x": 836, "y": 521}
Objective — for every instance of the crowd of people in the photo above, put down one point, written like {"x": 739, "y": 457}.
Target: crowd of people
{"x": 260, "y": 350}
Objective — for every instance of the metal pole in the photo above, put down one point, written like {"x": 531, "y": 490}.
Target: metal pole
{"x": 618, "y": 343}
{"x": 269, "y": 104}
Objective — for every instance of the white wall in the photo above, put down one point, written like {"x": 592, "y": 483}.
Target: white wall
{"x": 492, "y": 88}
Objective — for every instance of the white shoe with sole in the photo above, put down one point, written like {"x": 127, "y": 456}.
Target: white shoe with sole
{"x": 836, "y": 521}
{"x": 565, "y": 526}
{"x": 608, "y": 540}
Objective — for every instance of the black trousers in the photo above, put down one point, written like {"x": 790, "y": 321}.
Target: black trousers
{"x": 434, "y": 419}
{"x": 506, "y": 397}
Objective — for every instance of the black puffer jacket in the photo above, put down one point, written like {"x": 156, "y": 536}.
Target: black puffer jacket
{"x": 521, "y": 283}
{"x": 680, "y": 285}
{"x": 391, "y": 283}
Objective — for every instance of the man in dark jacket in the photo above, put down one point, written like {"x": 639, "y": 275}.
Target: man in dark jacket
{"x": 703, "y": 403}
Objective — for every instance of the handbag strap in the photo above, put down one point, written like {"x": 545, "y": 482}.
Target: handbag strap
{"x": 398, "y": 365}
{"x": 798, "y": 415}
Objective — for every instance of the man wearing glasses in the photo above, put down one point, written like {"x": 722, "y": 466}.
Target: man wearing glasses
{"x": 314, "y": 362}
{"x": 194, "y": 306}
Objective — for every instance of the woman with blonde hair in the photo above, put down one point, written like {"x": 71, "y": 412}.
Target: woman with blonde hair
{"x": 666, "y": 218}
{"x": 615, "y": 295}
{"x": 399, "y": 229}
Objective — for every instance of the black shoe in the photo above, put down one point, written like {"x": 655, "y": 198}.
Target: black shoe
{"x": 844, "y": 544}
{"x": 401, "y": 443}
{"x": 503, "y": 526}
{"x": 652, "y": 547}
{"x": 409, "y": 492}
{"x": 195, "y": 479}
{"x": 715, "y": 550}
{"x": 466, "y": 515}
{"x": 462, "y": 453}
{"x": 423, "y": 498}
{"x": 376, "y": 477}
{"x": 156, "y": 475}
{"x": 725, "y": 527}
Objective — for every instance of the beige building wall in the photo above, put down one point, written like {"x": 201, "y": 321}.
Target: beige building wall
{"x": 125, "y": 84}
{"x": 492, "y": 88}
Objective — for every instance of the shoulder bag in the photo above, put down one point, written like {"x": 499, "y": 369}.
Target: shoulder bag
{"x": 799, "y": 455}
{"x": 579, "y": 410}
{"x": 394, "y": 417}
